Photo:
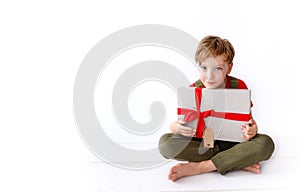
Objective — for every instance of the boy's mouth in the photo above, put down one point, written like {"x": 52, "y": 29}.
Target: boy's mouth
{"x": 210, "y": 82}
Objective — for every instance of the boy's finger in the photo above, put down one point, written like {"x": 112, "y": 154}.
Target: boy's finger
{"x": 243, "y": 126}
{"x": 181, "y": 121}
{"x": 181, "y": 127}
{"x": 245, "y": 136}
{"x": 246, "y": 131}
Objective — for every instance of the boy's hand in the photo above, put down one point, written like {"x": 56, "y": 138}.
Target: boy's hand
{"x": 178, "y": 128}
{"x": 250, "y": 130}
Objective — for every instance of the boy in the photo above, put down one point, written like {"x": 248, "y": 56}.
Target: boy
{"x": 214, "y": 57}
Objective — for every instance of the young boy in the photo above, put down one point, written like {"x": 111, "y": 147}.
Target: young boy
{"x": 214, "y": 57}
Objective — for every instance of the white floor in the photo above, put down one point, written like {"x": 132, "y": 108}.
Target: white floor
{"x": 277, "y": 174}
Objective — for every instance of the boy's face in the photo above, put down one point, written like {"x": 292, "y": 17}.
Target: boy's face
{"x": 213, "y": 71}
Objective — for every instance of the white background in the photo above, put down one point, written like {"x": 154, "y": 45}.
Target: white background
{"x": 42, "y": 45}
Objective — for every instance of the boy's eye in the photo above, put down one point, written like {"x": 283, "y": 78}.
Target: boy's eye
{"x": 219, "y": 68}
{"x": 202, "y": 67}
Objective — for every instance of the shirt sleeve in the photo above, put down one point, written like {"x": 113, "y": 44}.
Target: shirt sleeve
{"x": 242, "y": 85}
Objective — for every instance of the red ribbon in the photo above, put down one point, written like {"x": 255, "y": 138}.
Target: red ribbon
{"x": 191, "y": 114}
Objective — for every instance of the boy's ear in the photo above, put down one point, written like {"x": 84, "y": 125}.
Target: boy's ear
{"x": 229, "y": 68}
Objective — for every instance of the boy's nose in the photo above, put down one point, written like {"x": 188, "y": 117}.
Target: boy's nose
{"x": 209, "y": 75}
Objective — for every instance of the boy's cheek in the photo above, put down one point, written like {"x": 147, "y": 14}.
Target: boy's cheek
{"x": 202, "y": 78}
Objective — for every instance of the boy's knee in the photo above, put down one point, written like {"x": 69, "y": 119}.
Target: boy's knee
{"x": 163, "y": 144}
{"x": 265, "y": 146}
{"x": 164, "y": 138}
{"x": 171, "y": 145}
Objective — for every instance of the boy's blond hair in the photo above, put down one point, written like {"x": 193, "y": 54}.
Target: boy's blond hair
{"x": 212, "y": 46}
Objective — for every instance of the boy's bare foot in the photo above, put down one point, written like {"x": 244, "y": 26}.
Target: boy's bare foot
{"x": 192, "y": 168}
{"x": 253, "y": 168}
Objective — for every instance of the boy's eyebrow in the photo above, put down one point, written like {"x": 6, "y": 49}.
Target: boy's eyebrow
{"x": 225, "y": 61}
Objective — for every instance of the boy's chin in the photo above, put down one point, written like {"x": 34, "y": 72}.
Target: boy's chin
{"x": 213, "y": 87}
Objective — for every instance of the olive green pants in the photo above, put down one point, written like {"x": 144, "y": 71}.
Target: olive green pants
{"x": 225, "y": 155}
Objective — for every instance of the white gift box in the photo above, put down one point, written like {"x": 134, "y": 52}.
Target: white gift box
{"x": 222, "y": 110}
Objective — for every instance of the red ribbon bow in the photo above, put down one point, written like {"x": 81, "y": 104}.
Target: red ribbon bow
{"x": 191, "y": 114}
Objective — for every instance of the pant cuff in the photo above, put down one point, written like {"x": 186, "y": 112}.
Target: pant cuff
{"x": 219, "y": 164}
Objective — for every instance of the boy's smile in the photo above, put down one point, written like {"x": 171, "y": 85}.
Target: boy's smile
{"x": 213, "y": 72}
